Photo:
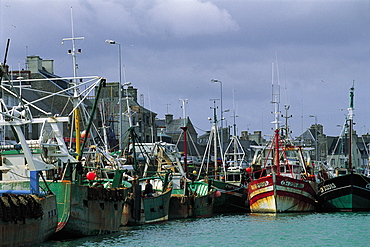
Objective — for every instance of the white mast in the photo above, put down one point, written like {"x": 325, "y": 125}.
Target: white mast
{"x": 275, "y": 99}
{"x": 75, "y": 94}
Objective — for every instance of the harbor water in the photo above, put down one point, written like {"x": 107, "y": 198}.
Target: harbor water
{"x": 299, "y": 229}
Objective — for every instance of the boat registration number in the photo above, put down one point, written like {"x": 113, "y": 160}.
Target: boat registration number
{"x": 260, "y": 185}
{"x": 291, "y": 184}
{"x": 327, "y": 187}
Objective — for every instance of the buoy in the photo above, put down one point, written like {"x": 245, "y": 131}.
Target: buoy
{"x": 248, "y": 169}
{"x": 194, "y": 172}
{"x": 91, "y": 176}
{"x": 217, "y": 193}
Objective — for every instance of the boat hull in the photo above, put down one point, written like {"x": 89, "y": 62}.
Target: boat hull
{"x": 350, "y": 192}
{"x": 277, "y": 194}
{"x": 32, "y": 229}
{"x": 180, "y": 206}
{"x": 233, "y": 199}
{"x": 147, "y": 210}
{"x": 203, "y": 206}
{"x": 87, "y": 211}
{"x": 196, "y": 201}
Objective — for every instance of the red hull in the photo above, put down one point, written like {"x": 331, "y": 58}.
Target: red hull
{"x": 275, "y": 194}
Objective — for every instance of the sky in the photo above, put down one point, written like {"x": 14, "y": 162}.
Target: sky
{"x": 312, "y": 50}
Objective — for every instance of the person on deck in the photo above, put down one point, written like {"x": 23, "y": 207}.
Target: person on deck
{"x": 148, "y": 192}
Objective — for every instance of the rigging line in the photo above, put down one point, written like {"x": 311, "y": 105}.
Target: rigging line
{"x": 199, "y": 128}
{"x": 195, "y": 147}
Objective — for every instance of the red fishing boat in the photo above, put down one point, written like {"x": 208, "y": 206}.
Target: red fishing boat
{"x": 283, "y": 183}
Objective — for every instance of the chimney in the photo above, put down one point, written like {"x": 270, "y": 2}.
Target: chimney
{"x": 132, "y": 92}
{"x": 169, "y": 118}
{"x": 34, "y": 63}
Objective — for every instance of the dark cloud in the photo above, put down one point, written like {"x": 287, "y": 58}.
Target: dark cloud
{"x": 172, "y": 49}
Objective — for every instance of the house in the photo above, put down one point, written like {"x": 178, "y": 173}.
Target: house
{"x": 38, "y": 68}
{"x": 141, "y": 118}
{"x": 170, "y": 130}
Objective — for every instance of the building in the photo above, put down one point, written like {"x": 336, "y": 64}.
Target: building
{"x": 27, "y": 80}
{"x": 141, "y": 118}
{"x": 170, "y": 130}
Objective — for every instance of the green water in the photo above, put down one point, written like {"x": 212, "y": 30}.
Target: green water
{"x": 308, "y": 229}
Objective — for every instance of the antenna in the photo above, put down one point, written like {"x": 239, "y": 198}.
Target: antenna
{"x": 73, "y": 51}
{"x": 234, "y": 113}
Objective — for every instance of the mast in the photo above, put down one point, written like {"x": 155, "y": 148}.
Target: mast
{"x": 275, "y": 100}
{"x": 185, "y": 128}
{"x": 75, "y": 93}
{"x": 276, "y": 122}
{"x": 277, "y": 146}
{"x": 350, "y": 116}
{"x": 214, "y": 127}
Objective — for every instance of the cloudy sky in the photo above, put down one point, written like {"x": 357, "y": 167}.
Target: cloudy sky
{"x": 171, "y": 49}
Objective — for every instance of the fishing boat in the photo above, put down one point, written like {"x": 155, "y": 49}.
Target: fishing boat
{"x": 190, "y": 198}
{"x": 28, "y": 207}
{"x": 345, "y": 189}
{"x": 88, "y": 203}
{"x": 228, "y": 178}
{"x": 282, "y": 178}
{"x": 145, "y": 206}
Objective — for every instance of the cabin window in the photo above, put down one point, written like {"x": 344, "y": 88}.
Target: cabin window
{"x": 342, "y": 172}
{"x": 296, "y": 169}
{"x": 332, "y": 163}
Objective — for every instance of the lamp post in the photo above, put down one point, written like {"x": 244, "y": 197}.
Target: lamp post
{"x": 112, "y": 42}
{"x": 222, "y": 139}
{"x": 316, "y": 141}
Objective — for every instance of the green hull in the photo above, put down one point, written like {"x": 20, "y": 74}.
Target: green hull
{"x": 349, "y": 192}
{"x": 86, "y": 211}
{"x": 233, "y": 199}
{"x": 146, "y": 210}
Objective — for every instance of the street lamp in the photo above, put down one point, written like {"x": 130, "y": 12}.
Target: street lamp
{"x": 112, "y": 42}
{"x": 316, "y": 141}
{"x": 218, "y": 81}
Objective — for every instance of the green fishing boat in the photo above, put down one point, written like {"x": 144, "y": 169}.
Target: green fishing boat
{"x": 147, "y": 207}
